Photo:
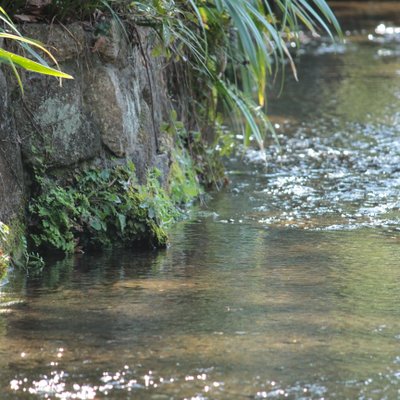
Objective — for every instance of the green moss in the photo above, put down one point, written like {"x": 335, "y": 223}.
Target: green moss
{"x": 100, "y": 207}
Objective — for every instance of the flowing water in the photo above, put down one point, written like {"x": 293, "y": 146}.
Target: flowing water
{"x": 286, "y": 285}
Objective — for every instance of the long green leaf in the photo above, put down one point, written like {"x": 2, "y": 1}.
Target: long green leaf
{"x": 29, "y": 42}
{"x": 30, "y": 65}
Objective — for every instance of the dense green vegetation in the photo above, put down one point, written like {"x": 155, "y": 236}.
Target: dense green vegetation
{"x": 98, "y": 207}
{"x": 232, "y": 49}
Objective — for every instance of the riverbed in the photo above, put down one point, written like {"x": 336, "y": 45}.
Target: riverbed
{"x": 283, "y": 285}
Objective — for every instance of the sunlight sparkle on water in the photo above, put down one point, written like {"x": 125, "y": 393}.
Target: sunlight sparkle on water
{"x": 61, "y": 385}
{"x": 382, "y": 29}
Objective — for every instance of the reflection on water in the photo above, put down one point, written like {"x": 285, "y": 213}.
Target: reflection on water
{"x": 278, "y": 313}
{"x": 285, "y": 286}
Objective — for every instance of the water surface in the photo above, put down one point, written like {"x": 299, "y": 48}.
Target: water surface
{"x": 286, "y": 285}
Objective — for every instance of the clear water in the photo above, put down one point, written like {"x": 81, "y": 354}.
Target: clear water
{"x": 285, "y": 286}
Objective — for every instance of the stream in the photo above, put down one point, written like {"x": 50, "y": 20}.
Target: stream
{"x": 284, "y": 285}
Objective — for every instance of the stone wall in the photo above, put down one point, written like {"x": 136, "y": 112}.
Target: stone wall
{"x": 11, "y": 172}
{"x": 110, "y": 112}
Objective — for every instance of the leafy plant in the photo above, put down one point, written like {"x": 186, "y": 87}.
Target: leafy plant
{"x": 156, "y": 201}
{"x": 101, "y": 207}
{"x": 55, "y": 209}
{"x": 10, "y": 32}
{"x": 31, "y": 262}
{"x": 26, "y": 260}
{"x": 246, "y": 38}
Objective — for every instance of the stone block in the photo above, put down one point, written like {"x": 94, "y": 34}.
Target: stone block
{"x": 52, "y": 121}
{"x": 64, "y": 42}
